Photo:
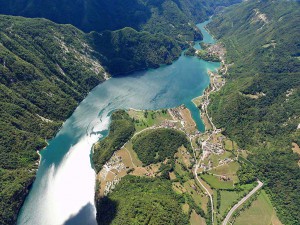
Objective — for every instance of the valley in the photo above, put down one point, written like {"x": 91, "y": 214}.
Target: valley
{"x": 132, "y": 113}
{"x": 67, "y": 157}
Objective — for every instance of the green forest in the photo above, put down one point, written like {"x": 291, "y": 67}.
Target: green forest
{"x": 156, "y": 145}
{"x": 174, "y": 18}
{"x": 138, "y": 200}
{"x": 121, "y": 130}
{"x": 259, "y": 106}
{"x": 127, "y": 50}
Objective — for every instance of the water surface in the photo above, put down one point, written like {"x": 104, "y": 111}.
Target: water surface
{"x": 63, "y": 192}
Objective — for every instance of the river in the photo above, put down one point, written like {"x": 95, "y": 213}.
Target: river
{"x": 63, "y": 192}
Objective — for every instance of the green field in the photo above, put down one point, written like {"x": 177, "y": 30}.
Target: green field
{"x": 196, "y": 219}
{"x": 228, "y": 145}
{"x": 183, "y": 174}
{"x": 215, "y": 158}
{"x": 135, "y": 158}
{"x": 215, "y": 182}
{"x": 228, "y": 170}
{"x": 227, "y": 200}
{"x": 146, "y": 118}
{"x": 261, "y": 212}
{"x": 193, "y": 193}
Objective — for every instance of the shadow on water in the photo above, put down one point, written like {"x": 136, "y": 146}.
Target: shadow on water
{"x": 84, "y": 216}
{"x": 106, "y": 210}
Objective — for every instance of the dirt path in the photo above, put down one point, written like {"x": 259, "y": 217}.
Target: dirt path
{"x": 130, "y": 157}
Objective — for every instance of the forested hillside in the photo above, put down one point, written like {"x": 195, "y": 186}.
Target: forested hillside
{"x": 171, "y": 17}
{"x": 121, "y": 130}
{"x": 140, "y": 200}
{"x": 155, "y": 146}
{"x": 259, "y": 107}
{"x": 46, "y": 70}
{"x": 126, "y": 50}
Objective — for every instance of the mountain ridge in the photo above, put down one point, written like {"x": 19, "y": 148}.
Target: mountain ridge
{"x": 259, "y": 105}
{"x": 175, "y": 18}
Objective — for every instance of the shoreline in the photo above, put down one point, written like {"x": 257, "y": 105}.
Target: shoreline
{"x": 213, "y": 86}
{"x": 40, "y": 156}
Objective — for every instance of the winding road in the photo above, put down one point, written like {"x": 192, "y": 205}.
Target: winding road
{"x": 226, "y": 220}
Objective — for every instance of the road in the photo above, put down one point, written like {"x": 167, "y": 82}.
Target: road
{"x": 260, "y": 184}
{"x": 202, "y": 185}
{"x": 210, "y": 196}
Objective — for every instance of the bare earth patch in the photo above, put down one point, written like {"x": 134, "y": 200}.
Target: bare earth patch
{"x": 296, "y": 149}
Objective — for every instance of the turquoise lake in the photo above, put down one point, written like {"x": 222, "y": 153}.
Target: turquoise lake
{"x": 63, "y": 192}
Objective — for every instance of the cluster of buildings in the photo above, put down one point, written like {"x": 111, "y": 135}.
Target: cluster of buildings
{"x": 150, "y": 173}
{"x": 216, "y": 149}
{"x": 110, "y": 185}
{"x": 218, "y": 81}
{"x": 225, "y": 161}
{"x": 206, "y": 167}
{"x": 168, "y": 124}
{"x": 175, "y": 113}
{"x": 216, "y": 50}
{"x": 224, "y": 178}
{"x": 115, "y": 163}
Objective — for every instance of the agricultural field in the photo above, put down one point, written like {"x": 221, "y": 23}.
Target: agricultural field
{"x": 296, "y": 149}
{"x": 134, "y": 158}
{"x": 230, "y": 145}
{"x": 189, "y": 123}
{"x": 195, "y": 219}
{"x": 228, "y": 170}
{"x": 261, "y": 212}
{"x": 143, "y": 119}
{"x": 228, "y": 199}
{"x": 206, "y": 122}
{"x": 216, "y": 182}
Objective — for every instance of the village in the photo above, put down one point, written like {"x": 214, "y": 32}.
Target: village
{"x": 216, "y": 49}
{"x": 207, "y": 145}
{"x": 210, "y": 164}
